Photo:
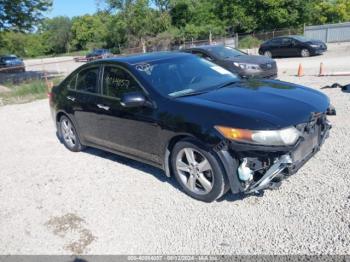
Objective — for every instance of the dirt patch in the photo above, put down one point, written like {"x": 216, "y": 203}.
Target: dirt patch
{"x": 70, "y": 227}
{"x": 4, "y": 89}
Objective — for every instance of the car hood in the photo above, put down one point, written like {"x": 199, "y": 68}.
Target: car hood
{"x": 315, "y": 42}
{"x": 253, "y": 59}
{"x": 278, "y": 103}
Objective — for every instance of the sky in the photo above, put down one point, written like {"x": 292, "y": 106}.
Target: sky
{"x": 72, "y": 8}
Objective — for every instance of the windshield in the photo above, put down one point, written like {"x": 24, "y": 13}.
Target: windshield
{"x": 9, "y": 58}
{"x": 301, "y": 38}
{"x": 223, "y": 52}
{"x": 184, "y": 75}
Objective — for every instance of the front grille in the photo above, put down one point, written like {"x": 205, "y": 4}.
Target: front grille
{"x": 312, "y": 134}
{"x": 268, "y": 66}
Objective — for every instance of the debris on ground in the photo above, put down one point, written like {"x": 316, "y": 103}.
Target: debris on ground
{"x": 345, "y": 88}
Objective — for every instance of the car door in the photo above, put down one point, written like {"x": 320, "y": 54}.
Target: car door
{"x": 288, "y": 48}
{"x": 274, "y": 46}
{"x": 84, "y": 97}
{"x": 133, "y": 131}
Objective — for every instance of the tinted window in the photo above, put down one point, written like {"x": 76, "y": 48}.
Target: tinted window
{"x": 286, "y": 41}
{"x": 117, "y": 81}
{"x": 87, "y": 80}
{"x": 183, "y": 75}
{"x": 276, "y": 41}
{"x": 70, "y": 82}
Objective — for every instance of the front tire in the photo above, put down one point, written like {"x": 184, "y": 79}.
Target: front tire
{"x": 198, "y": 171}
{"x": 304, "y": 52}
{"x": 69, "y": 135}
{"x": 268, "y": 54}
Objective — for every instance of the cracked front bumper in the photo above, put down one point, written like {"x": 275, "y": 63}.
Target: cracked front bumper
{"x": 284, "y": 161}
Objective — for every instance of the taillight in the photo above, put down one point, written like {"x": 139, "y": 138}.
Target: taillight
{"x": 50, "y": 96}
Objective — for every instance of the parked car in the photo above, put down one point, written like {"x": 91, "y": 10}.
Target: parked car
{"x": 202, "y": 124}
{"x": 11, "y": 63}
{"x": 293, "y": 45}
{"x": 237, "y": 62}
{"x": 98, "y": 54}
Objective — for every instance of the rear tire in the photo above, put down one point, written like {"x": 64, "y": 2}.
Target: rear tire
{"x": 68, "y": 135}
{"x": 198, "y": 171}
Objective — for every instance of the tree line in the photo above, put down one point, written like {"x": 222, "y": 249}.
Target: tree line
{"x": 25, "y": 31}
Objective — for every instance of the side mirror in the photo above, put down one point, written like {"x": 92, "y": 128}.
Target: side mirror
{"x": 133, "y": 99}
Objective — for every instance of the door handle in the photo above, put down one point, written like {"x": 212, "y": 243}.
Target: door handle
{"x": 71, "y": 98}
{"x": 103, "y": 107}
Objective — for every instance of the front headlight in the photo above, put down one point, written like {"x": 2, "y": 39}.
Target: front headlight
{"x": 283, "y": 137}
{"x": 315, "y": 46}
{"x": 244, "y": 66}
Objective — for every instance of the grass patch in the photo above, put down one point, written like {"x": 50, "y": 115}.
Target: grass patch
{"x": 248, "y": 42}
{"x": 26, "y": 92}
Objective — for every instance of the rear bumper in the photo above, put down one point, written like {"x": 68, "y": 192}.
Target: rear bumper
{"x": 283, "y": 165}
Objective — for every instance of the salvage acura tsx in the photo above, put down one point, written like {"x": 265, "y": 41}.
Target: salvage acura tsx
{"x": 202, "y": 124}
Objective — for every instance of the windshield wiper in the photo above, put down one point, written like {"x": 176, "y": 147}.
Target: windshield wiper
{"x": 226, "y": 84}
{"x": 194, "y": 93}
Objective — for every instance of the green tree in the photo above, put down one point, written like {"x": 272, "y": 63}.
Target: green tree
{"x": 88, "y": 31}
{"x": 22, "y": 14}
{"x": 57, "y": 34}
{"x": 24, "y": 45}
{"x": 331, "y": 11}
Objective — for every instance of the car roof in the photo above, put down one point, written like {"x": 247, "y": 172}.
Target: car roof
{"x": 145, "y": 58}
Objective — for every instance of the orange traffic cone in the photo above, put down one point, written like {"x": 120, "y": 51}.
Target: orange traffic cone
{"x": 321, "y": 69}
{"x": 300, "y": 71}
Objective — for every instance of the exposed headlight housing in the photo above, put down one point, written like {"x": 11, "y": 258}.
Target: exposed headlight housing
{"x": 283, "y": 137}
{"x": 245, "y": 66}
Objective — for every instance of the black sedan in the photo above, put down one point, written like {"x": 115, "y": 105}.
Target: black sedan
{"x": 197, "y": 121}
{"x": 11, "y": 63}
{"x": 292, "y": 46}
{"x": 246, "y": 66}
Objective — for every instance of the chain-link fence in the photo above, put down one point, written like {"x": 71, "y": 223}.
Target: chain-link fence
{"x": 240, "y": 41}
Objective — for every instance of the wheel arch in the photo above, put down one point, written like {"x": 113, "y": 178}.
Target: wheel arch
{"x": 61, "y": 113}
{"x": 169, "y": 147}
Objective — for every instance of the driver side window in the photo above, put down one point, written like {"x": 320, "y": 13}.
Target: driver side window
{"x": 117, "y": 81}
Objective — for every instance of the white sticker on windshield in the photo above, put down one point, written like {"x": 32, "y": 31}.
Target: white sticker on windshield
{"x": 221, "y": 70}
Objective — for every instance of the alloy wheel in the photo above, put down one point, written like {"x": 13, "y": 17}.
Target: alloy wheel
{"x": 68, "y": 133}
{"x": 305, "y": 53}
{"x": 268, "y": 54}
{"x": 195, "y": 171}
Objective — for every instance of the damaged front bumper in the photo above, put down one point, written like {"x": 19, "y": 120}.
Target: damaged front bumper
{"x": 270, "y": 165}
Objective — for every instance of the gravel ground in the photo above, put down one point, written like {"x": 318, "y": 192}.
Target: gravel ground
{"x": 58, "y": 202}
